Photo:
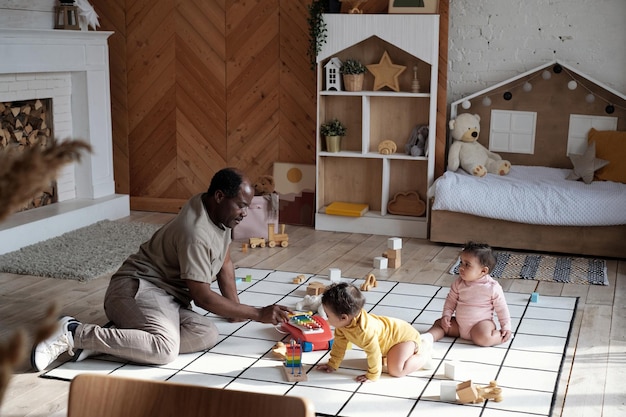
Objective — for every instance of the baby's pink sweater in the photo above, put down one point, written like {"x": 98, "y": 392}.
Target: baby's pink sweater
{"x": 476, "y": 301}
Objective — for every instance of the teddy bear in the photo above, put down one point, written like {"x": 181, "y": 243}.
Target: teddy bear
{"x": 264, "y": 185}
{"x": 468, "y": 153}
{"x": 416, "y": 145}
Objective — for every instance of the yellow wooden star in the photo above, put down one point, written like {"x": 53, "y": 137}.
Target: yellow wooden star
{"x": 386, "y": 73}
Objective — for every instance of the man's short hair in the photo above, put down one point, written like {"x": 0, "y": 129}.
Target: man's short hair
{"x": 227, "y": 180}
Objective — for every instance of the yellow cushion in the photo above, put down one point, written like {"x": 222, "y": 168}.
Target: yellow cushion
{"x": 611, "y": 146}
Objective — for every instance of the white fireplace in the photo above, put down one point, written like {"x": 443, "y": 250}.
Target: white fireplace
{"x": 72, "y": 68}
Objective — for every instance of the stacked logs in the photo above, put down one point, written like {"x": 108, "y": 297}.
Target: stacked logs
{"x": 22, "y": 125}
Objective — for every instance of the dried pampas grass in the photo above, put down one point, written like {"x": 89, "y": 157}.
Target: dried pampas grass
{"x": 24, "y": 172}
{"x": 15, "y": 350}
{"x": 29, "y": 170}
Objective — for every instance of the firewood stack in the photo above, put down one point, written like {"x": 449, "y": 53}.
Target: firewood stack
{"x": 23, "y": 125}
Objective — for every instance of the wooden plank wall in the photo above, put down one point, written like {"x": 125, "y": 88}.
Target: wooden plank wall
{"x": 197, "y": 85}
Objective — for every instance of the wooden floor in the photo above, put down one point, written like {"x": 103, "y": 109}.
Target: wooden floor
{"x": 592, "y": 382}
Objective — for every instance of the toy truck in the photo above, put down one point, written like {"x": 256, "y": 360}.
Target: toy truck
{"x": 257, "y": 241}
{"x": 274, "y": 238}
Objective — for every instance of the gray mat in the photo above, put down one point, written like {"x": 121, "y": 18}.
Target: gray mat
{"x": 82, "y": 254}
{"x": 565, "y": 269}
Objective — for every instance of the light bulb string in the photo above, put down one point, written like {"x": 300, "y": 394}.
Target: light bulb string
{"x": 579, "y": 82}
{"x": 538, "y": 74}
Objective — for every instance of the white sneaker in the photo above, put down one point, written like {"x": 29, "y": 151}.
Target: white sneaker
{"x": 48, "y": 350}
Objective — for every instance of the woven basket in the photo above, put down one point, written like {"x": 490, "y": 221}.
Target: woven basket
{"x": 353, "y": 82}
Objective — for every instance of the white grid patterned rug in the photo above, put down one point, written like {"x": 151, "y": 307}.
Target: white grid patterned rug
{"x": 527, "y": 368}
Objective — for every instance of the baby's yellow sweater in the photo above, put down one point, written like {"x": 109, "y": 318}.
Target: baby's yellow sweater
{"x": 375, "y": 335}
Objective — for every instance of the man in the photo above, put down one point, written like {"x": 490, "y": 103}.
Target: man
{"x": 148, "y": 298}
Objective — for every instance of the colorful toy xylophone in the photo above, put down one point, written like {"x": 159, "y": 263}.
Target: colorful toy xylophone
{"x": 312, "y": 331}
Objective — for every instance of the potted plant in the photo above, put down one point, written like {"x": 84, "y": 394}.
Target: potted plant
{"x": 333, "y": 131}
{"x": 353, "y": 72}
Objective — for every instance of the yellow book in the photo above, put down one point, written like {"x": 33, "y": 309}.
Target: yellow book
{"x": 347, "y": 209}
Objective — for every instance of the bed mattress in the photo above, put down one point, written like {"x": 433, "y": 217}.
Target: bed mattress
{"x": 533, "y": 195}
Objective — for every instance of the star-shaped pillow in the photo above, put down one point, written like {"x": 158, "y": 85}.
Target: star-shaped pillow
{"x": 586, "y": 164}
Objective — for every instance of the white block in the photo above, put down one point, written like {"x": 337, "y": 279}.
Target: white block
{"x": 334, "y": 274}
{"x": 380, "y": 262}
{"x": 448, "y": 391}
{"x": 457, "y": 371}
{"x": 448, "y": 369}
{"x": 394, "y": 243}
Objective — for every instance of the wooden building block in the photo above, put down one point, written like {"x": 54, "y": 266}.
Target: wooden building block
{"x": 315, "y": 288}
{"x": 467, "y": 392}
{"x": 334, "y": 274}
{"x": 294, "y": 374}
{"x": 395, "y": 263}
{"x": 392, "y": 253}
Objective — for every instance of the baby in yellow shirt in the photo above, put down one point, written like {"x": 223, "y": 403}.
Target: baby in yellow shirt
{"x": 379, "y": 336}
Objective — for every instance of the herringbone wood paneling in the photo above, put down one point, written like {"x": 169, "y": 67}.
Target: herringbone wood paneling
{"x": 297, "y": 87}
{"x": 253, "y": 84}
{"x": 198, "y": 85}
{"x": 112, "y": 17}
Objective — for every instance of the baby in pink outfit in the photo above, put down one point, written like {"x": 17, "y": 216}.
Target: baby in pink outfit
{"x": 473, "y": 298}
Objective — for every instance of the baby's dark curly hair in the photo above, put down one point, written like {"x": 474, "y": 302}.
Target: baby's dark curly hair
{"x": 482, "y": 252}
{"x": 343, "y": 298}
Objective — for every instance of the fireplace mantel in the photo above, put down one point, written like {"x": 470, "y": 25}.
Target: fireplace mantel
{"x": 84, "y": 56}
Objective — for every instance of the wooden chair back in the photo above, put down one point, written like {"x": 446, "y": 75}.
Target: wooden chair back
{"x": 93, "y": 395}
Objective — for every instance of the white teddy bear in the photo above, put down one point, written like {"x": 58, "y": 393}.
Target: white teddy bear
{"x": 468, "y": 153}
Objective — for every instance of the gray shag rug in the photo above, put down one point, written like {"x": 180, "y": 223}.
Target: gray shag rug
{"x": 82, "y": 254}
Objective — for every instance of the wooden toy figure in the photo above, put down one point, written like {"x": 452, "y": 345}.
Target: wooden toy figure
{"x": 277, "y": 238}
{"x": 370, "y": 282}
{"x": 491, "y": 392}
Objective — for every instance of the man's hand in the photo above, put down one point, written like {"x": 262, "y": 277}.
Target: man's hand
{"x": 274, "y": 314}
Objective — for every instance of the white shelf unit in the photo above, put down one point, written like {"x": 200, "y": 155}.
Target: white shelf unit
{"x": 359, "y": 173}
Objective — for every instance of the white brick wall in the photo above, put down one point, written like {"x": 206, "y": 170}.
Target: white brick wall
{"x": 493, "y": 40}
{"x": 56, "y": 86}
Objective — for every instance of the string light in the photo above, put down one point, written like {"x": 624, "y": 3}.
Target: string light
{"x": 546, "y": 74}
{"x": 591, "y": 97}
